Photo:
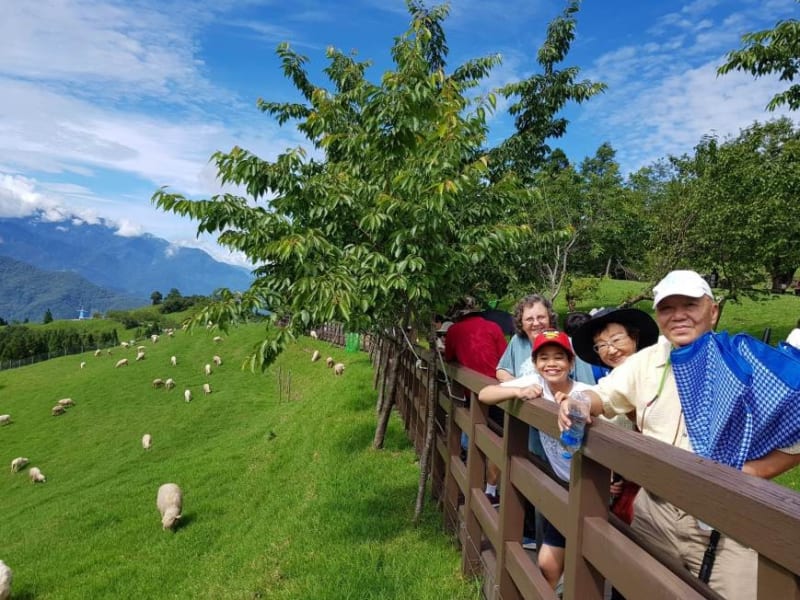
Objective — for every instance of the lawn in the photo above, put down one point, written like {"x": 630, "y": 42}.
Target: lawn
{"x": 283, "y": 496}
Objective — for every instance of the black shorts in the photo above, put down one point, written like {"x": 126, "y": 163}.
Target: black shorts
{"x": 552, "y": 537}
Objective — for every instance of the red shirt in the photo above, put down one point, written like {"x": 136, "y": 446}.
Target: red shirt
{"x": 475, "y": 343}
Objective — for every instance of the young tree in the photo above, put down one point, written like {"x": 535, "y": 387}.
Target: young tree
{"x": 775, "y": 50}
{"x": 48, "y": 317}
{"x": 156, "y": 298}
{"x": 396, "y": 216}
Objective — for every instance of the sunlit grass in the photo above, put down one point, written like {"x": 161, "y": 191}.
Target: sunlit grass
{"x": 283, "y": 495}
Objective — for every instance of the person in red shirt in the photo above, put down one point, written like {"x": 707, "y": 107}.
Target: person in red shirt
{"x": 478, "y": 344}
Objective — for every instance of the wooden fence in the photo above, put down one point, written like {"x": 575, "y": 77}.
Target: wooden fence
{"x": 600, "y": 548}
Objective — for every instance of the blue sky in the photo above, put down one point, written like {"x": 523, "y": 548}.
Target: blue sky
{"x": 102, "y": 102}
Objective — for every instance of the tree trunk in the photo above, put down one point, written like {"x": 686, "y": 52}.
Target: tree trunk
{"x": 608, "y": 266}
{"x": 387, "y": 404}
{"x": 387, "y": 360}
{"x": 426, "y": 457}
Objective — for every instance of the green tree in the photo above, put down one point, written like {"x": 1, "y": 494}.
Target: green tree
{"x": 396, "y": 217}
{"x": 156, "y": 298}
{"x": 775, "y": 50}
{"x": 48, "y": 317}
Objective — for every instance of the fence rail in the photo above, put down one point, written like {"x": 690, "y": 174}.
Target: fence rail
{"x": 600, "y": 548}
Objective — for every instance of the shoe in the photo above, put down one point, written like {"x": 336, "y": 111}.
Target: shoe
{"x": 528, "y": 543}
{"x": 494, "y": 499}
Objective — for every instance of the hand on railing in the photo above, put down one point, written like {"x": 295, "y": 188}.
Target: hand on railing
{"x": 529, "y": 393}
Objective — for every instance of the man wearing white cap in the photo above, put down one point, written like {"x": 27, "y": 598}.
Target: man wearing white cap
{"x": 645, "y": 383}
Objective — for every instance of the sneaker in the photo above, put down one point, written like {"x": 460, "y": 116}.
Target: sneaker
{"x": 528, "y": 543}
{"x": 494, "y": 499}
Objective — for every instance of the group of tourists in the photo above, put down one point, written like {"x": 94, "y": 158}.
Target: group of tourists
{"x": 640, "y": 373}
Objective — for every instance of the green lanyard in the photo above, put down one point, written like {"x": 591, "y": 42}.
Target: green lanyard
{"x": 661, "y": 384}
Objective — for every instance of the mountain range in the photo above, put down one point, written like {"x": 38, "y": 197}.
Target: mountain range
{"x": 71, "y": 264}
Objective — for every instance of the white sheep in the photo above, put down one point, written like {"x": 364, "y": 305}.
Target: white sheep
{"x": 65, "y": 402}
{"x": 187, "y": 395}
{"x": 83, "y": 364}
{"x": 97, "y": 352}
{"x": 5, "y": 419}
{"x": 158, "y": 382}
{"x": 313, "y": 334}
{"x": 217, "y": 360}
{"x": 171, "y": 332}
{"x": 217, "y": 338}
{"x": 169, "y": 383}
{"x": 329, "y": 361}
{"x": 170, "y": 504}
{"x": 154, "y": 338}
{"x": 124, "y": 344}
{"x": 18, "y": 464}
{"x": 206, "y": 388}
{"x": 36, "y": 475}
{"x": 147, "y": 441}
{"x": 338, "y": 368}
{"x": 173, "y": 360}
{"x": 140, "y": 355}
{"x": 140, "y": 348}
{"x": 315, "y": 356}
{"x": 122, "y": 362}
{"x": 6, "y": 576}
{"x": 207, "y": 369}
{"x": 58, "y": 410}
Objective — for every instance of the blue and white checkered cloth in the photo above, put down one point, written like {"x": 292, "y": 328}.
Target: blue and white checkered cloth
{"x": 740, "y": 397}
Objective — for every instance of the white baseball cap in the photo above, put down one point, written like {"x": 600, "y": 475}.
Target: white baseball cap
{"x": 681, "y": 283}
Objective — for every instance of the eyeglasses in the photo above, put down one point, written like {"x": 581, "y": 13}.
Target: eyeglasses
{"x": 532, "y": 320}
{"x": 616, "y": 342}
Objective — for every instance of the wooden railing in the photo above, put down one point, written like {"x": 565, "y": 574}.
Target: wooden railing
{"x": 600, "y": 548}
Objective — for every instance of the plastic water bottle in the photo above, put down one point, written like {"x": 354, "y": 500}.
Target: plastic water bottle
{"x": 579, "y": 406}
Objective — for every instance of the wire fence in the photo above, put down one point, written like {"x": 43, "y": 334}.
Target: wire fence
{"x": 16, "y": 363}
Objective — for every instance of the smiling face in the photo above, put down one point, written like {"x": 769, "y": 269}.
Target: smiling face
{"x": 554, "y": 364}
{"x": 683, "y": 319}
{"x": 535, "y": 319}
{"x": 613, "y": 344}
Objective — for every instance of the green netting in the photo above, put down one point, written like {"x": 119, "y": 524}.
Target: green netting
{"x": 352, "y": 342}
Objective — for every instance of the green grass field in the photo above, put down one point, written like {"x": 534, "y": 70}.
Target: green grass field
{"x": 283, "y": 497}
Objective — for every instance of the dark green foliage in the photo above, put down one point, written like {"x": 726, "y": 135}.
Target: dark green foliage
{"x": 48, "y": 317}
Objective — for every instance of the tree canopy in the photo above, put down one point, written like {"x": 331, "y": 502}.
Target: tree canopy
{"x": 395, "y": 212}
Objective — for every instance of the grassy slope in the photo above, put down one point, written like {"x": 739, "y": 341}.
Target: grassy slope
{"x": 282, "y": 498}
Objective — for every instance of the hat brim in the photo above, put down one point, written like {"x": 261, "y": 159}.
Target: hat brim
{"x": 583, "y": 340}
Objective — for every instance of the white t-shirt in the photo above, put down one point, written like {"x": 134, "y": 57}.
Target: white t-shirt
{"x": 794, "y": 338}
{"x": 552, "y": 447}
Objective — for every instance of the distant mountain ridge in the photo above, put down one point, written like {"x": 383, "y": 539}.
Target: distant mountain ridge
{"x": 27, "y": 293}
{"x": 131, "y": 267}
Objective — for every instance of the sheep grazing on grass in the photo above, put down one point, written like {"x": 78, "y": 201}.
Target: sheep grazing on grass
{"x": 83, "y": 364}
{"x": 171, "y": 332}
{"x": 187, "y": 395}
{"x": 97, "y": 352}
{"x": 173, "y": 360}
{"x": 109, "y": 352}
{"x": 158, "y": 382}
{"x": 124, "y": 344}
{"x": 147, "y": 441}
{"x": 217, "y": 360}
{"x": 170, "y": 504}
{"x": 207, "y": 369}
{"x": 140, "y": 355}
{"x": 18, "y": 464}
{"x": 329, "y": 361}
{"x": 65, "y": 402}
{"x": 140, "y": 348}
{"x": 122, "y": 362}
{"x": 169, "y": 383}
{"x": 6, "y": 576}
{"x": 315, "y": 356}
{"x": 154, "y": 338}
{"x": 58, "y": 410}
{"x": 217, "y": 338}
{"x": 206, "y": 388}
{"x": 5, "y": 419}
{"x": 313, "y": 334}
{"x": 338, "y": 368}
{"x": 36, "y": 475}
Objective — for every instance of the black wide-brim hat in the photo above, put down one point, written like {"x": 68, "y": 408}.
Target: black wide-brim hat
{"x": 583, "y": 340}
